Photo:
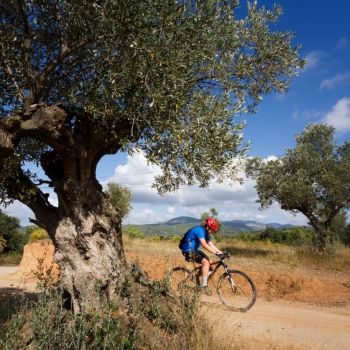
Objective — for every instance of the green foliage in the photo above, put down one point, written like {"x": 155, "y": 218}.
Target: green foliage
{"x": 176, "y": 238}
{"x": 38, "y": 234}
{"x": 149, "y": 321}
{"x": 165, "y": 77}
{"x": 120, "y": 197}
{"x": 341, "y": 228}
{"x": 10, "y": 232}
{"x": 214, "y": 214}
{"x": 2, "y": 244}
{"x": 313, "y": 178}
{"x": 133, "y": 232}
{"x": 293, "y": 236}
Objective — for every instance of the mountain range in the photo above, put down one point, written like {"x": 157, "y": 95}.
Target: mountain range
{"x": 181, "y": 224}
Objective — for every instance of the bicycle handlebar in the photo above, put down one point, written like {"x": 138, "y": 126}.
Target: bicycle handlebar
{"x": 224, "y": 255}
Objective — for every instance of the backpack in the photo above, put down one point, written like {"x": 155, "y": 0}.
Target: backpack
{"x": 184, "y": 239}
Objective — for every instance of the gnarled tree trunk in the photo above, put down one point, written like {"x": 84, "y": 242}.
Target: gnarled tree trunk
{"x": 84, "y": 227}
{"x": 90, "y": 253}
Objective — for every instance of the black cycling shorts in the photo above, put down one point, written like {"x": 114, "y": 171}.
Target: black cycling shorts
{"x": 195, "y": 256}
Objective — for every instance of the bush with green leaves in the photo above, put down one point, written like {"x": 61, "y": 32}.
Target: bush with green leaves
{"x": 146, "y": 320}
{"x": 38, "y": 234}
{"x": 133, "y": 232}
{"x": 292, "y": 236}
{"x": 10, "y": 232}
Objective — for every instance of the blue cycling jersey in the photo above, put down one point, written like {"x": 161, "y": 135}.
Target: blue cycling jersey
{"x": 192, "y": 239}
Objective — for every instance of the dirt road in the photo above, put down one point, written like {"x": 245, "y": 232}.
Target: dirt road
{"x": 273, "y": 325}
{"x": 286, "y": 316}
{"x": 283, "y": 325}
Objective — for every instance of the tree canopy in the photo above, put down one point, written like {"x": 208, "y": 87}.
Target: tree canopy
{"x": 82, "y": 79}
{"x": 313, "y": 178}
{"x": 166, "y": 77}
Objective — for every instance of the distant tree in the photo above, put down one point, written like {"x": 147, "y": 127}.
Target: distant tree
{"x": 313, "y": 178}
{"x": 340, "y": 227}
{"x": 10, "y": 232}
{"x": 211, "y": 213}
{"x": 120, "y": 198}
{"x": 83, "y": 79}
{"x": 134, "y": 232}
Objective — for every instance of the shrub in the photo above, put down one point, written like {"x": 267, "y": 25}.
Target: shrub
{"x": 293, "y": 236}
{"x": 145, "y": 319}
{"x": 38, "y": 234}
{"x": 176, "y": 238}
{"x": 134, "y": 232}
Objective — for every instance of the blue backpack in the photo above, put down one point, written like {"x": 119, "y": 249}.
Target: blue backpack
{"x": 185, "y": 240}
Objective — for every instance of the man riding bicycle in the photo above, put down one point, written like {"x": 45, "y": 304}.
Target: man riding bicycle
{"x": 195, "y": 238}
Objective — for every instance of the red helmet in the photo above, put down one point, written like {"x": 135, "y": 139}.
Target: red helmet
{"x": 212, "y": 224}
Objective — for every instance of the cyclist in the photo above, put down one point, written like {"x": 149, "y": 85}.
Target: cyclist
{"x": 195, "y": 238}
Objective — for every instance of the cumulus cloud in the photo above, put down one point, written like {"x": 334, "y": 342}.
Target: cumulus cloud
{"x": 233, "y": 200}
{"x": 308, "y": 114}
{"x": 339, "y": 79}
{"x": 339, "y": 115}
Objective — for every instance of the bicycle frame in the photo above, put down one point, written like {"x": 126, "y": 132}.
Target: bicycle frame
{"x": 218, "y": 263}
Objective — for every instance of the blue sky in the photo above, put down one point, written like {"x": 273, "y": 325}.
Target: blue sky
{"x": 319, "y": 95}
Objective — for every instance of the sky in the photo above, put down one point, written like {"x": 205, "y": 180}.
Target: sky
{"x": 320, "y": 94}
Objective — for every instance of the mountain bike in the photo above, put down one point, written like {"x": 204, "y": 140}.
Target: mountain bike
{"x": 235, "y": 289}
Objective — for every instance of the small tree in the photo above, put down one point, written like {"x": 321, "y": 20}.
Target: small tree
{"x": 313, "y": 179}
{"x": 212, "y": 213}
{"x": 134, "y": 232}
{"x": 120, "y": 198}
{"x": 9, "y": 229}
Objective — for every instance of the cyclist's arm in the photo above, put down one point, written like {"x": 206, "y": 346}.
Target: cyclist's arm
{"x": 212, "y": 245}
{"x": 209, "y": 246}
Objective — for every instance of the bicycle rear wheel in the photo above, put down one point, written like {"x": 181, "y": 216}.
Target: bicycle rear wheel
{"x": 236, "y": 290}
{"x": 181, "y": 280}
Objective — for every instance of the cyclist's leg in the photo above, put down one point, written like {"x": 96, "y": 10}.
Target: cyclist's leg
{"x": 205, "y": 267}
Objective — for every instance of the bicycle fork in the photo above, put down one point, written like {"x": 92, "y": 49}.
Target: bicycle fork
{"x": 230, "y": 279}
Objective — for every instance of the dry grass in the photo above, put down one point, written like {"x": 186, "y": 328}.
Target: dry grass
{"x": 336, "y": 258}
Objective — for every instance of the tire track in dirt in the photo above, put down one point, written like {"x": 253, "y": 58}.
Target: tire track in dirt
{"x": 282, "y": 325}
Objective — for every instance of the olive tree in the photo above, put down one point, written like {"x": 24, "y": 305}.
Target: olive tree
{"x": 120, "y": 198}
{"x": 82, "y": 79}
{"x": 313, "y": 179}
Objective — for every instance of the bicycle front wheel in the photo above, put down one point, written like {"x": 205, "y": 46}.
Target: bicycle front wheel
{"x": 236, "y": 290}
{"x": 181, "y": 280}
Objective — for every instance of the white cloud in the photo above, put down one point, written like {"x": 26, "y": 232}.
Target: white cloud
{"x": 20, "y": 211}
{"x": 339, "y": 79}
{"x": 314, "y": 59}
{"x": 233, "y": 201}
{"x": 307, "y": 115}
{"x": 339, "y": 115}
